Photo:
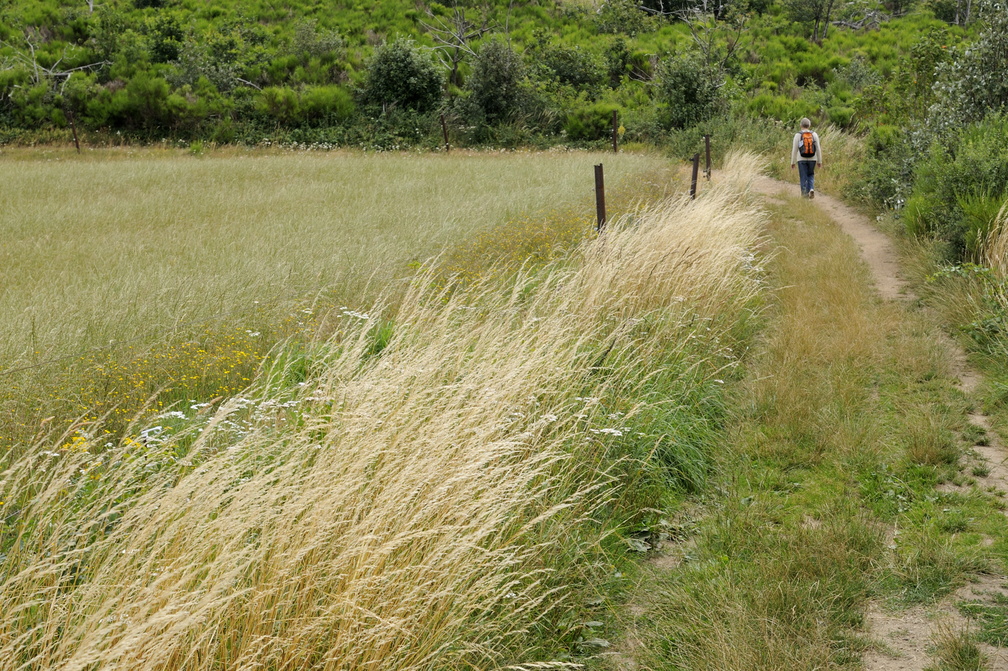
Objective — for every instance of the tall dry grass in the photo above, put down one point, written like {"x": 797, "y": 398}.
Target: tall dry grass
{"x": 122, "y": 273}
{"x": 99, "y": 249}
{"x": 432, "y": 506}
{"x": 995, "y": 250}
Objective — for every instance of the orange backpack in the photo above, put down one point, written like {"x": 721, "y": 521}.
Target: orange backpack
{"x": 807, "y": 146}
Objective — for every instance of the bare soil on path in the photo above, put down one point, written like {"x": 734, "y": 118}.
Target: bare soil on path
{"x": 903, "y": 638}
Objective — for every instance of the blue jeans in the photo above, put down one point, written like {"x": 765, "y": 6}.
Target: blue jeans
{"x": 806, "y": 175}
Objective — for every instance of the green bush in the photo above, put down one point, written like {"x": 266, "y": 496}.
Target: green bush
{"x": 143, "y": 103}
{"x": 781, "y": 107}
{"x": 590, "y": 123}
{"x": 622, "y": 17}
{"x": 974, "y": 82}
{"x": 888, "y": 169}
{"x": 980, "y": 211}
{"x": 840, "y": 116}
{"x": 955, "y": 185}
{"x": 566, "y": 65}
{"x": 494, "y": 84}
{"x": 400, "y": 75}
{"x": 278, "y": 103}
{"x": 166, "y": 38}
{"x": 309, "y": 41}
{"x": 944, "y": 10}
{"x": 325, "y": 105}
{"x": 687, "y": 91}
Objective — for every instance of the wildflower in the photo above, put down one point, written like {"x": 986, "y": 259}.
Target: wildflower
{"x": 173, "y": 414}
{"x": 608, "y": 431}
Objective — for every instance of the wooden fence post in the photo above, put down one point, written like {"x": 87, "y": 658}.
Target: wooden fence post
{"x": 600, "y": 212}
{"x": 707, "y": 144}
{"x": 696, "y": 171}
{"x": 444, "y": 129}
{"x": 615, "y": 132}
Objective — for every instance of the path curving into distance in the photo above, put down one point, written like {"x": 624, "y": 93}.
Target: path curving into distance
{"x": 907, "y": 635}
{"x": 876, "y": 248}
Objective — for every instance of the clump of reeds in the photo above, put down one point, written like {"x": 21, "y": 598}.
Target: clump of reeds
{"x": 431, "y": 502}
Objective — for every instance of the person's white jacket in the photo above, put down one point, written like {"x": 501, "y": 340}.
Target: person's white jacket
{"x": 795, "y": 157}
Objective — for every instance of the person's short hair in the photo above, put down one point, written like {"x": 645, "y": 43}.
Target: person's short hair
{"x": 806, "y": 123}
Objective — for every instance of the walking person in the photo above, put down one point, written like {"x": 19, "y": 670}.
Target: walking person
{"x": 806, "y": 152}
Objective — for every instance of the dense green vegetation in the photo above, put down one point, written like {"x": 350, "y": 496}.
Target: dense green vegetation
{"x": 381, "y": 75}
{"x": 937, "y": 144}
{"x": 922, "y": 82}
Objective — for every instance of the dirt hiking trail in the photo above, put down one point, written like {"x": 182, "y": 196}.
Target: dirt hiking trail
{"x": 903, "y": 638}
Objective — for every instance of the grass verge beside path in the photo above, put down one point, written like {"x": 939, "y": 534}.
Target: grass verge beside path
{"x": 847, "y": 423}
{"x": 136, "y": 280}
{"x": 444, "y": 490}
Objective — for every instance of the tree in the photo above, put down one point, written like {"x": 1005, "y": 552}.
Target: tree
{"x": 815, "y": 13}
{"x": 400, "y": 75}
{"x": 495, "y": 81}
{"x": 717, "y": 38}
{"x": 453, "y": 38}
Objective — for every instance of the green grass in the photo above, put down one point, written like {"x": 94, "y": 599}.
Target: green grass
{"x": 126, "y": 272}
{"x": 847, "y": 422}
{"x": 457, "y": 499}
{"x": 991, "y": 617}
{"x": 956, "y": 650}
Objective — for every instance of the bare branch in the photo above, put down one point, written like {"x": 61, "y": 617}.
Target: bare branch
{"x": 41, "y": 72}
{"x": 452, "y": 37}
{"x": 248, "y": 83}
{"x": 871, "y": 19}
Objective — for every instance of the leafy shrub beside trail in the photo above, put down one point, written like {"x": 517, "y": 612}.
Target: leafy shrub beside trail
{"x": 959, "y": 189}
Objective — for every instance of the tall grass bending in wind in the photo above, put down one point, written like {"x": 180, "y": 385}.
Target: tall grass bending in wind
{"x": 429, "y": 489}
{"x": 159, "y": 272}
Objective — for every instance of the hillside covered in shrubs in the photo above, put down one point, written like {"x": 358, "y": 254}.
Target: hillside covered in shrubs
{"x": 922, "y": 82}
{"x": 381, "y": 74}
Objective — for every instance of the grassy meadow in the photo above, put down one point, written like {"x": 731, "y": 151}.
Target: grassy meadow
{"x": 129, "y": 273}
{"x": 437, "y": 487}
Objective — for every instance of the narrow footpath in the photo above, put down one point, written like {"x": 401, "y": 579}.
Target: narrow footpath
{"x": 857, "y": 515}
{"x": 908, "y": 634}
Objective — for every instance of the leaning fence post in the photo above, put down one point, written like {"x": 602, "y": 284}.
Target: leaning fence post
{"x": 600, "y": 212}
{"x": 707, "y": 145}
{"x": 696, "y": 171}
{"x": 444, "y": 129}
{"x": 615, "y": 132}
{"x": 73, "y": 127}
